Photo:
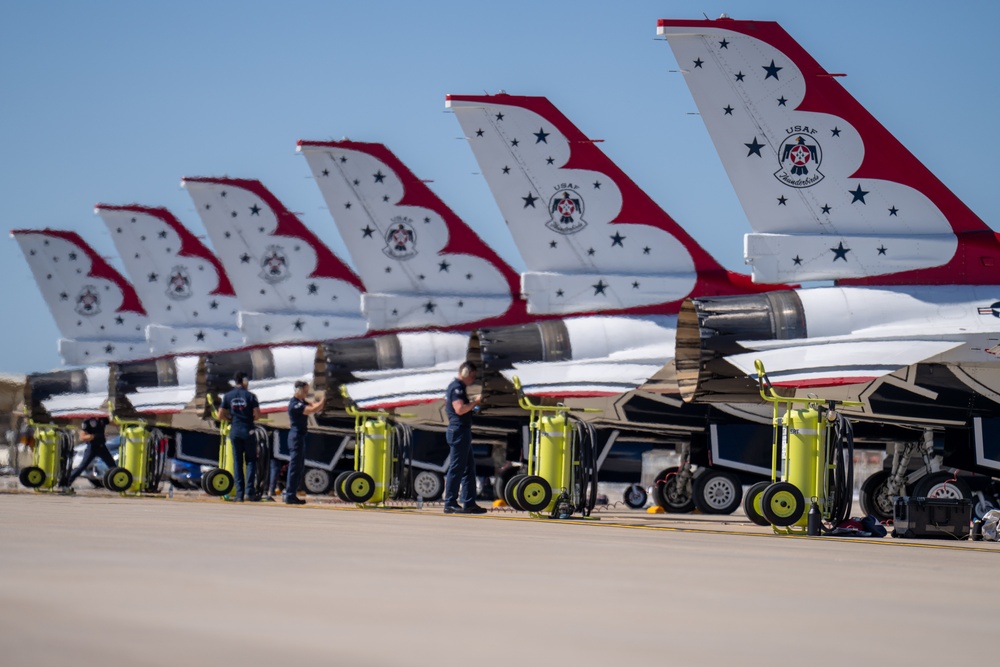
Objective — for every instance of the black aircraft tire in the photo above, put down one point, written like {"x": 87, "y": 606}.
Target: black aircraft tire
{"x": 667, "y": 495}
{"x": 635, "y": 497}
{"x": 873, "y": 496}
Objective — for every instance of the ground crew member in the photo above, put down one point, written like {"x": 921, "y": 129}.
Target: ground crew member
{"x": 462, "y": 467}
{"x": 92, "y": 433}
{"x": 298, "y": 414}
{"x": 240, "y": 408}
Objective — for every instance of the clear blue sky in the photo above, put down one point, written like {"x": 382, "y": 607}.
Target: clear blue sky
{"x": 115, "y": 101}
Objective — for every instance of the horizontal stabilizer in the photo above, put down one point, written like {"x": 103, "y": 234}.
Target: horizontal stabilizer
{"x": 857, "y": 256}
{"x": 442, "y": 311}
{"x": 262, "y": 328}
{"x": 835, "y": 364}
{"x": 169, "y": 340}
{"x": 570, "y": 293}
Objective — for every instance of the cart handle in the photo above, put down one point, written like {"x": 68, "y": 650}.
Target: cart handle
{"x": 525, "y": 402}
{"x": 764, "y": 382}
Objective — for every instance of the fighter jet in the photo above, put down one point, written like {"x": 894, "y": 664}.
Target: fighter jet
{"x": 912, "y": 324}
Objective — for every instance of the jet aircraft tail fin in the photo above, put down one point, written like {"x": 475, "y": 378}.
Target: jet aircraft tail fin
{"x": 290, "y": 285}
{"x": 96, "y": 310}
{"x": 192, "y": 303}
{"x": 422, "y": 264}
{"x": 591, "y": 238}
{"x": 830, "y": 193}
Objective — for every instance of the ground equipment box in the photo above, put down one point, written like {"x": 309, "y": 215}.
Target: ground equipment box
{"x": 932, "y": 517}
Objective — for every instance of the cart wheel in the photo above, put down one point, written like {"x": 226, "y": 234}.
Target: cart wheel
{"x": 717, "y": 492}
{"x": 428, "y": 484}
{"x": 32, "y": 477}
{"x": 942, "y": 485}
{"x": 359, "y": 487}
{"x": 317, "y": 481}
{"x": 219, "y": 482}
{"x": 669, "y": 495}
{"x": 782, "y": 504}
{"x": 874, "y": 496}
{"x": 508, "y": 492}
{"x": 751, "y": 503}
{"x": 119, "y": 479}
{"x": 635, "y": 496}
{"x": 338, "y": 485}
{"x": 533, "y": 493}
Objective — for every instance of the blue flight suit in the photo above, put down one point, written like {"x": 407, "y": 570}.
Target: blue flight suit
{"x": 462, "y": 468}
{"x": 296, "y": 445}
{"x": 241, "y": 403}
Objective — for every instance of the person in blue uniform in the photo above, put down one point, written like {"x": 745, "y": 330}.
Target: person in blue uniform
{"x": 299, "y": 410}
{"x": 92, "y": 433}
{"x": 241, "y": 409}
{"x": 462, "y": 467}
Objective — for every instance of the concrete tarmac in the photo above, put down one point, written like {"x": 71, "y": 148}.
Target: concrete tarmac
{"x": 102, "y": 580}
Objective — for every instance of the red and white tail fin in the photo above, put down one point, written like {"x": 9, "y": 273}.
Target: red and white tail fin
{"x": 829, "y": 192}
{"x": 290, "y": 285}
{"x": 592, "y": 240}
{"x": 191, "y": 302}
{"x": 97, "y": 311}
{"x": 422, "y": 264}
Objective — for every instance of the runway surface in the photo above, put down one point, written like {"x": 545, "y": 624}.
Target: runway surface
{"x": 104, "y": 580}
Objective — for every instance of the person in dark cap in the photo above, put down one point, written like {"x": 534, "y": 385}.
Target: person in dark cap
{"x": 241, "y": 409}
{"x": 299, "y": 409}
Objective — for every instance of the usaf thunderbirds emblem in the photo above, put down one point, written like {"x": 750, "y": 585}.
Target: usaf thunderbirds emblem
{"x": 800, "y": 157}
{"x": 566, "y": 208}
{"x": 179, "y": 284}
{"x": 400, "y": 240}
{"x": 274, "y": 266}
{"x": 87, "y": 301}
